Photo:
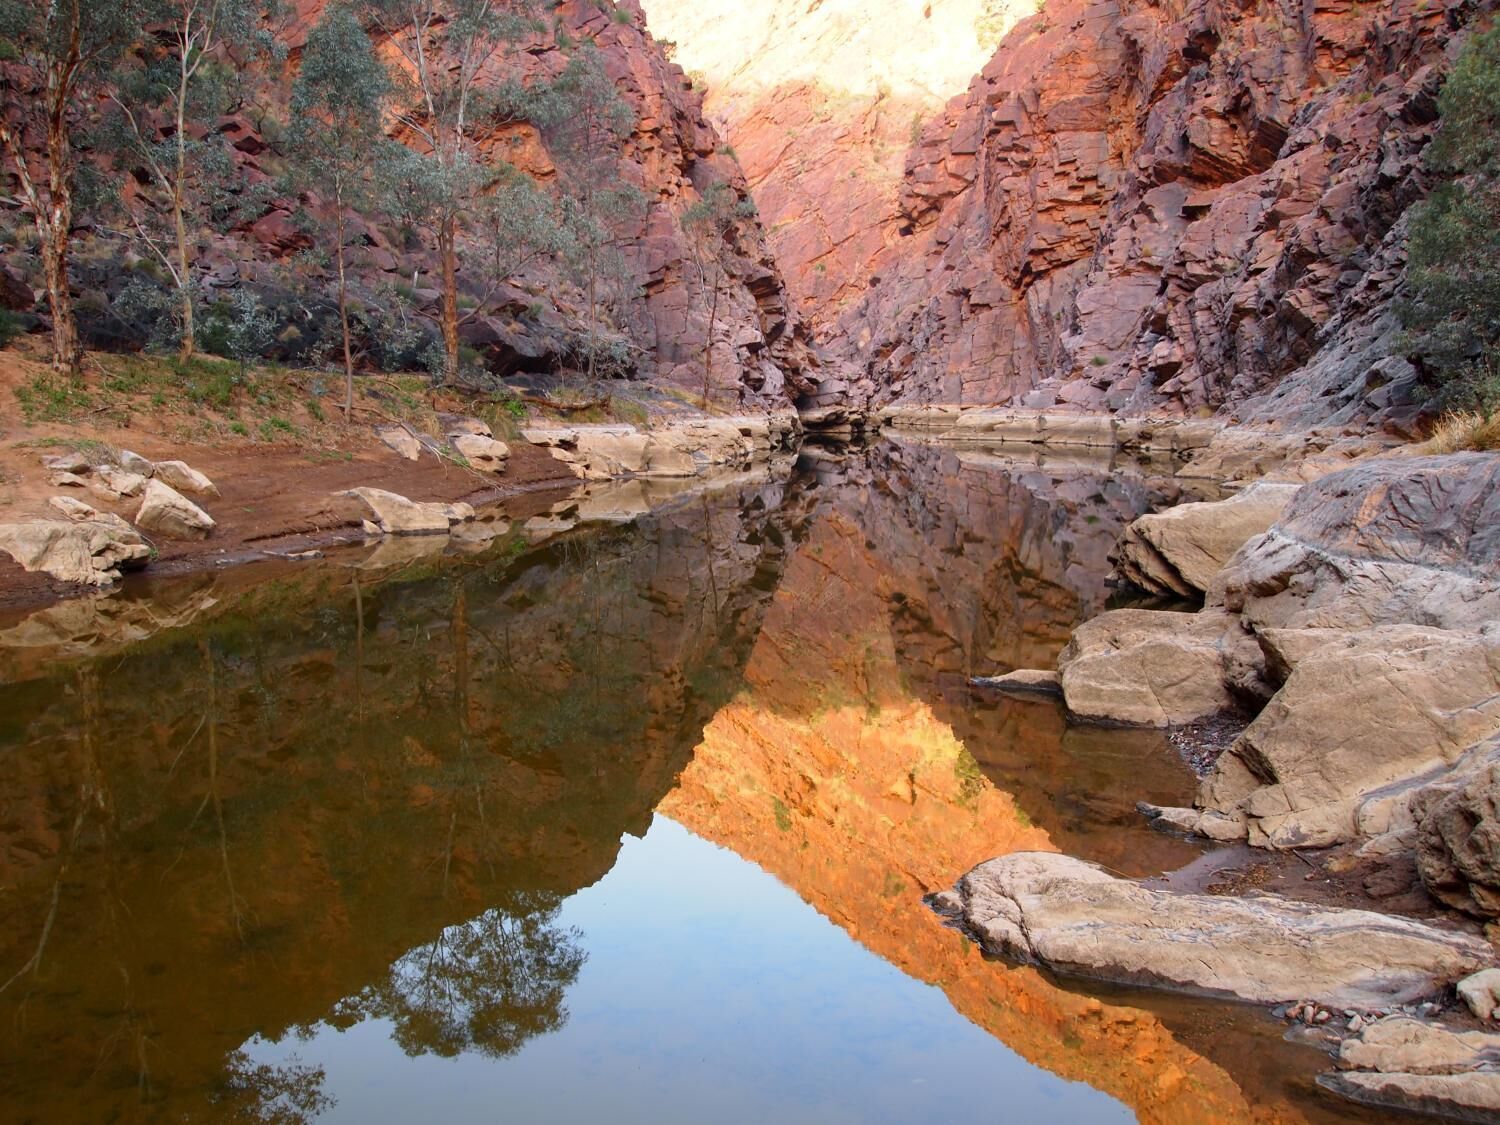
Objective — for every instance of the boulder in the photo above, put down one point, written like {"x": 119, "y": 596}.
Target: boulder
{"x": 1361, "y": 718}
{"x": 396, "y": 515}
{"x": 400, "y": 440}
{"x": 135, "y": 463}
{"x": 483, "y": 453}
{"x": 79, "y": 512}
{"x": 167, "y": 512}
{"x": 115, "y": 483}
{"x": 1481, "y": 992}
{"x": 90, "y": 553}
{"x": 1148, "y": 668}
{"x": 1076, "y": 918}
{"x": 1179, "y": 551}
{"x": 184, "y": 478}
{"x": 1391, "y": 540}
{"x": 70, "y": 462}
{"x": 1403, "y": 1063}
{"x": 1457, "y": 833}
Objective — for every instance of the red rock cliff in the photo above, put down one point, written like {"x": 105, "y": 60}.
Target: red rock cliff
{"x": 1186, "y": 205}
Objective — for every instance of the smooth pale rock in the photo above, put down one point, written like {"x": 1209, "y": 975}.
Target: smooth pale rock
{"x": 1077, "y": 918}
{"x": 71, "y": 462}
{"x": 115, "y": 483}
{"x": 1023, "y": 681}
{"x": 1147, "y": 668}
{"x": 1481, "y": 992}
{"x": 1390, "y": 540}
{"x": 1359, "y": 712}
{"x": 400, "y": 440}
{"x": 135, "y": 463}
{"x": 1402, "y": 1043}
{"x": 1179, "y": 551}
{"x": 396, "y": 515}
{"x": 89, "y": 553}
{"x": 185, "y": 478}
{"x": 166, "y": 511}
{"x": 1195, "y": 822}
{"x": 483, "y": 453}
{"x": 79, "y": 512}
{"x": 1472, "y": 1096}
{"x": 457, "y": 425}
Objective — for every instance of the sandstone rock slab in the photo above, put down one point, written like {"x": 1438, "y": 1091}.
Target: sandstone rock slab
{"x": 1179, "y": 551}
{"x": 396, "y": 515}
{"x": 1077, "y": 918}
{"x": 167, "y": 512}
{"x": 483, "y": 453}
{"x": 89, "y": 553}
{"x": 184, "y": 478}
{"x": 1148, "y": 668}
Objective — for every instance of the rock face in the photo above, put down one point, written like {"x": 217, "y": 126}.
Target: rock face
{"x": 90, "y": 552}
{"x": 1074, "y": 917}
{"x": 1180, "y": 206}
{"x": 1179, "y": 551}
{"x": 661, "y": 314}
{"x": 1389, "y": 540}
{"x": 1365, "y": 620}
{"x": 1360, "y": 712}
{"x": 167, "y": 512}
{"x": 821, "y": 102}
{"x": 1457, "y": 823}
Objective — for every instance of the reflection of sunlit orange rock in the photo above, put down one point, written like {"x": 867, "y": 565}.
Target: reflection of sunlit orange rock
{"x": 827, "y": 773}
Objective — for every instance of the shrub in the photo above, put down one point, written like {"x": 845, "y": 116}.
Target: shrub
{"x": 10, "y": 327}
{"x": 1452, "y": 307}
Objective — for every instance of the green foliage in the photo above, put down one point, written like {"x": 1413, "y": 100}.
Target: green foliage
{"x": 10, "y": 327}
{"x": 52, "y": 398}
{"x": 1452, "y": 310}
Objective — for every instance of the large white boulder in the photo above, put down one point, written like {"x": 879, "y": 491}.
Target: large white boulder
{"x": 165, "y": 511}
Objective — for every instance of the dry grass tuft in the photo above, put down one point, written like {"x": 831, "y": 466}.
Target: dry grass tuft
{"x": 1464, "y": 431}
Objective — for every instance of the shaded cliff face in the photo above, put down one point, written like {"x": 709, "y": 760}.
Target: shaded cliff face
{"x": 821, "y": 103}
{"x": 1182, "y": 206}
{"x": 663, "y": 308}
{"x": 271, "y": 809}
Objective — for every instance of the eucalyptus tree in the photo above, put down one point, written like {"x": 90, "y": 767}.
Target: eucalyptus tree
{"x": 336, "y": 107}
{"x": 711, "y": 225}
{"x": 1452, "y": 304}
{"x": 164, "y": 98}
{"x": 586, "y": 122}
{"x": 59, "y": 54}
{"x": 453, "y": 75}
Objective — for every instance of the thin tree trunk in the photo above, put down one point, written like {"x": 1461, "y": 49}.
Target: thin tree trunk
{"x": 708, "y": 346}
{"x": 593, "y": 304}
{"x": 344, "y": 317}
{"x": 448, "y": 251}
{"x": 53, "y": 217}
{"x": 179, "y": 223}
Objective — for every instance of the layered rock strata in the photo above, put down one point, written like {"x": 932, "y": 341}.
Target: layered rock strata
{"x": 1187, "y": 206}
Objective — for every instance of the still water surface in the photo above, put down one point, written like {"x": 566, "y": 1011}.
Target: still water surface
{"x": 626, "y": 814}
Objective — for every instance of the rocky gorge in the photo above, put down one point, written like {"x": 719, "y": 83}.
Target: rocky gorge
{"x": 1038, "y": 518}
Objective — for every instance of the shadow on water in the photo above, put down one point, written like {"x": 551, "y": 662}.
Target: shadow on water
{"x": 364, "y": 792}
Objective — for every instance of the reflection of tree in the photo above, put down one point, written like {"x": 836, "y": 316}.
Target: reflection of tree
{"x": 277, "y": 1095}
{"x": 486, "y": 985}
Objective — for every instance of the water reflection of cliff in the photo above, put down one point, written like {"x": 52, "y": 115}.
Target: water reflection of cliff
{"x": 857, "y": 768}
{"x": 340, "y": 797}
